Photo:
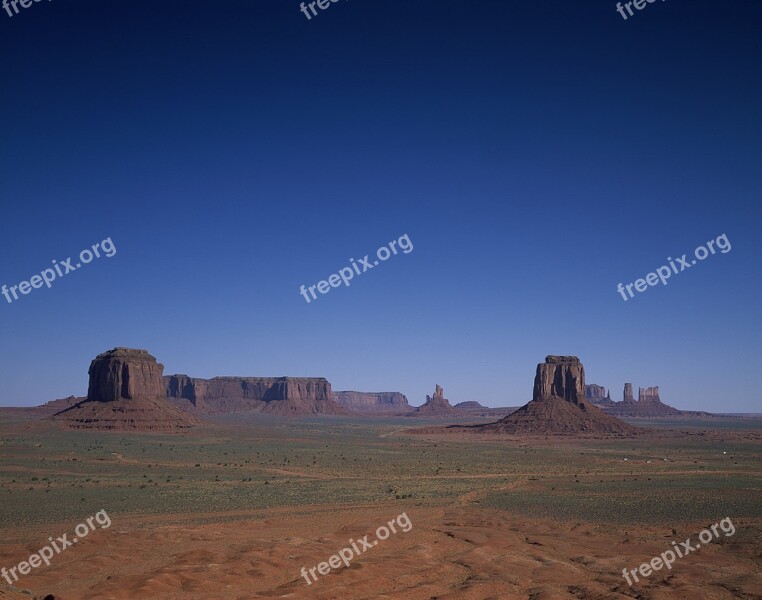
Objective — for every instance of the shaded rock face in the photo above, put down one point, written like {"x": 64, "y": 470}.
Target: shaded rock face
{"x": 125, "y": 373}
{"x": 277, "y": 395}
{"x": 558, "y": 405}
{"x": 561, "y": 377}
{"x": 595, "y": 392}
{"x": 125, "y": 393}
{"x": 627, "y": 393}
{"x": 373, "y": 402}
{"x": 180, "y": 386}
{"x": 650, "y": 394}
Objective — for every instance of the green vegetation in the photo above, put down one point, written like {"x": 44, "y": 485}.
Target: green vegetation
{"x": 48, "y": 475}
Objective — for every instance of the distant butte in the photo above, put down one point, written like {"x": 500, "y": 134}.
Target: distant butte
{"x": 435, "y": 405}
{"x": 125, "y": 393}
{"x": 648, "y": 404}
{"x": 558, "y": 405}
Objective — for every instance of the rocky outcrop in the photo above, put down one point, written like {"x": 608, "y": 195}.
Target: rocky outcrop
{"x": 125, "y": 393}
{"x": 649, "y": 394}
{"x": 125, "y": 373}
{"x": 558, "y": 405}
{"x": 373, "y": 402}
{"x": 561, "y": 377}
{"x": 595, "y": 392}
{"x": 435, "y": 405}
{"x": 627, "y": 394}
{"x": 275, "y": 395}
{"x": 648, "y": 404}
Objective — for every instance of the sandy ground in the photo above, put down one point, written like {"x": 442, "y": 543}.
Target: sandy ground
{"x": 458, "y": 552}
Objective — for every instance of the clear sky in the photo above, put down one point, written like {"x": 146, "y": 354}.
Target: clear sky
{"x": 536, "y": 153}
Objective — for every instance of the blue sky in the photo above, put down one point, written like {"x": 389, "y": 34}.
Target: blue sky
{"x": 536, "y": 153}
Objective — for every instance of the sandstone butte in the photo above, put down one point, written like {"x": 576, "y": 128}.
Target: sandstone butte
{"x": 435, "y": 405}
{"x": 125, "y": 393}
{"x": 648, "y": 404}
{"x": 558, "y": 405}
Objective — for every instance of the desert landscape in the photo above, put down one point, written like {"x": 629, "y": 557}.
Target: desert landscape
{"x": 400, "y": 300}
{"x": 552, "y": 500}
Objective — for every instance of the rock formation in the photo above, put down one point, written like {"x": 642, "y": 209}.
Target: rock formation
{"x": 595, "y": 392}
{"x": 124, "y": 373}
{"x": 435, "y": 405}
{"x": 558, "y": 405}
{"x": 650, "y": 394}
{"x": 125, "y": 392}
{"x": 647, "y": 405}
{"x": 275, "y": 395}
{"x": 627, "y": 394}
{"x": 469, "y": 405}
{"x": 373, "y": 402}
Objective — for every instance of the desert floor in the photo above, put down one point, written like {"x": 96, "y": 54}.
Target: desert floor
{"x": 235, "y": 510}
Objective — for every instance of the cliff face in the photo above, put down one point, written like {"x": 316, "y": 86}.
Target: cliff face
{"x": 561, "y": 377}
{"x": 627, "y": 394}
{"x": 125, "y": 393}
{"x": 278, "y": 395}
{"x": 373, "y": 402}
{"x": 125, "y": 373}
{"x": 558, "y": 405}
{"x": 595, "y": 392}
{"x": 650, "y": 394}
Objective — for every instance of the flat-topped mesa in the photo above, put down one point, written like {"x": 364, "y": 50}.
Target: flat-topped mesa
{"x": 255, "y": 388}
{"x": 125, "y": 373}
{"x": 373, "y": 402}
{"x": 560, "y": 377}
{"x": 279, "y": 395}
